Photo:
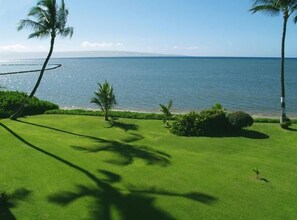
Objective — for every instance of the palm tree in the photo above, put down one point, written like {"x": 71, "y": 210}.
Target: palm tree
{"x": 166, "y": 111}
{"x": 286, "y": 8}
{"x": 50, "y": 22}
{"x": 105, "y": 98}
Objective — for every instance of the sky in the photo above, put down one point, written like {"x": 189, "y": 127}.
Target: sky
{"x": 176, "y": 27}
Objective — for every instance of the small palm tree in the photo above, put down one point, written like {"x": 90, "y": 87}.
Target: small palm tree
{"x": 104, "y": 98}
{"x": 257, "y": 171}
{"x": 286, "y": 8}
{"x": 166, "y": 111}
{"x": 50, "y": 22}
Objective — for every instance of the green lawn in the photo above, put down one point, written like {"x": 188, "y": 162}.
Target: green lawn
{"x": 80, "y": 167}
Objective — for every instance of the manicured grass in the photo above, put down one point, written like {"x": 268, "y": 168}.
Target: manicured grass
{"x": 80, "y": 167}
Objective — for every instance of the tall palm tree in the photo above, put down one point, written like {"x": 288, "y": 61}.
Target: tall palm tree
{"x": 286, "y": 8}
{"x": 50, "y": 22}
{"x": 105, "y": 98}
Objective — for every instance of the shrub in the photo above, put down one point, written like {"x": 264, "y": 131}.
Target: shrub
{"x": 212, "y": 122}
{"x": 240, "y": 120}
{"x": 11, "y": 100}
{"x": 187, "y": 125}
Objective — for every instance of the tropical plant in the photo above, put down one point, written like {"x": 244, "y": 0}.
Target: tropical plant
{"x": 257, "y": 171}
{"x": 166, "y": 111}
{"x": 50, "y": 22}
{"x": 286, "y": 8}
{"x": 104, "y": 98}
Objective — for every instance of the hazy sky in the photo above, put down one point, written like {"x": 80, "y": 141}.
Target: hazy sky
{"x": 185, "y": 27}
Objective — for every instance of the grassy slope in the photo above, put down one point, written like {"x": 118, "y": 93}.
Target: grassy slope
{"x": 79, "y": 167}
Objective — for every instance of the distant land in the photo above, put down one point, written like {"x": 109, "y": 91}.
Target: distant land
{"x": 73, "y": 54}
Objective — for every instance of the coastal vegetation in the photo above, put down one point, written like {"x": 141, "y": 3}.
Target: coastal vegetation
{"x": 51, "y": 21}
{"x": 10, "y": 101}
{"x": 79, "y": 167}
{"x": 286, "y": 8}
{"x": 166, "y": 110}
{"x": 104, "y": 98}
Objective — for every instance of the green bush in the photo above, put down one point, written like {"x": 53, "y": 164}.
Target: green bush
{"x": 187, "y": 125}
{"x": 240, "y": 120}
{"x": 117, "y": 114}
{"x": 10, "y": 101}
{"x": 212, "y": 122}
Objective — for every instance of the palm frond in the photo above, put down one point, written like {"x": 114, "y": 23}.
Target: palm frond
{"x": 39, "y": 34}
{"x": 66, "y": 32}
{"x": 268, "y": 9}
{"x": 104, "y": 96}
{"x": 29, "y": 23}
{"x": 49, "y": 18}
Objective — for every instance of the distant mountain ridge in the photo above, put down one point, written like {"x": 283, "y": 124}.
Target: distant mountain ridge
{"x": 74, "y": 54}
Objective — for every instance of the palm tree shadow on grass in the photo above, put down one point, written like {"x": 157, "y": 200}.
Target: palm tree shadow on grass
{"x": 291, "y": 129}
{"x": 123, "y": 125}
{"x": 127, "y": 151}
{"x": 136, "y": 204}
{"x": 12, "y": 202}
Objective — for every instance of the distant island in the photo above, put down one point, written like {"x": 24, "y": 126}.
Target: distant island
{"x": 73, "y": 54}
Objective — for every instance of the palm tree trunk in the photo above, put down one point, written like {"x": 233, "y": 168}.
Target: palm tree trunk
{"x": 282, "y": 73}
{"x": 24, "y": 105}
{"x": 106, "y": 114}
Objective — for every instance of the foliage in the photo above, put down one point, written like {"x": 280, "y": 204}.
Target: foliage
{"x": 257, "y": 171}
{"x": 50, "y": 21}
{"x": 104, "y": 98}
{"x": 210, "y": 122}
{"x": 11, "y": 100}
{"x": 240, "y": 120}
{"x": 218, "y": 106}
{"x": 139, "y": 115}
{"x": 116, "y": 114}
{"x": 166, "y": 111}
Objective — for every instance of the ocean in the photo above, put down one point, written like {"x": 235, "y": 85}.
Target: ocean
{"x": 142, "y": 83}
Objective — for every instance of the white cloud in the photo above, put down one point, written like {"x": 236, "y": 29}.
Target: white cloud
{"x": 14, "y": 48}
{"x": 87, "y": 44}
{"x": 21, "y": 48}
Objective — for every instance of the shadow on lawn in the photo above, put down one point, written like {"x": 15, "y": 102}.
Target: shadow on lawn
{"x": 252, "y": 134}
{"x": 12, "y": 202}
{"x": 291, "y": 129}
{"x": 124, "y": 126}
{"x": 130, "y": 204}
{"x": 127, "y": 151}
{"x": 242, "y": 133}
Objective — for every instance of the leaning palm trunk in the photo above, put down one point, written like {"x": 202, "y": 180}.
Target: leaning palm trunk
{"x": 21, "y": 109}
{"x": 283, "y": 117}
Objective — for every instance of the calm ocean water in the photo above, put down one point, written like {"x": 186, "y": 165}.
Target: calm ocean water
{"x": 248, "y": 84}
